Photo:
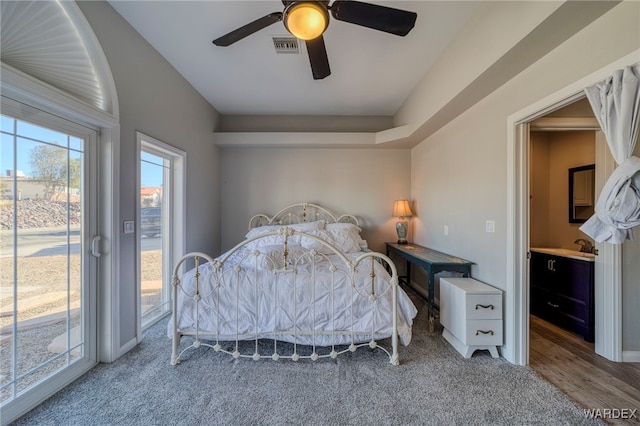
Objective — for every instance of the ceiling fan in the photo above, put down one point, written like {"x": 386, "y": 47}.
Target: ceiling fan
{"x": 307, "y": 20}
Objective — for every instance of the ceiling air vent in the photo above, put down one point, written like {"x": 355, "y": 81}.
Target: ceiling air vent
{"x": 286, "y": 44}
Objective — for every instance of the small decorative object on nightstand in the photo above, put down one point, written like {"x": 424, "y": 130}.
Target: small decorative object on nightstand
{"x": 401, "y": 209}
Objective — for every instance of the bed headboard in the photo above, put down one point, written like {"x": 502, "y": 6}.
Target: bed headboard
{"x": 300, "y": 213}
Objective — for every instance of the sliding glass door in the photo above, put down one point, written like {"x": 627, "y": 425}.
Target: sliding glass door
{"x": 48, "y": 206}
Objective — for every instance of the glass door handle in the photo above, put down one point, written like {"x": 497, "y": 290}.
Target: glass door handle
{"x": 95, "y": 249}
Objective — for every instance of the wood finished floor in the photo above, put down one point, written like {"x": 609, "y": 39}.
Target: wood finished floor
{"x": 571, "y": 364}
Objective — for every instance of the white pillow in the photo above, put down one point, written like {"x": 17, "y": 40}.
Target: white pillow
{"x": 278, "y": 239}
{"x": 344, "y": 241}
{"x": 309, "y": 226}
{"x": 353, "y": 229}
{"x": 254, "y": 232}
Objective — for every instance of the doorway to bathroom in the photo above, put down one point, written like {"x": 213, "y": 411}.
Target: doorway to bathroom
{"x": 609, "y": 275}
{"x": 562, "y": 194}
{"x": 607, "y": 265}
{"x": 571, "y": 120}
{"x": 566, "y": 269}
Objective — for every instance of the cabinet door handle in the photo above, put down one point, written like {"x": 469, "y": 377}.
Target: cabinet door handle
{"x": 553, "y": 305}
{"x": 551, "y": 265}
{"x": 484, "y": 307}
{"x": 490, "y": 332}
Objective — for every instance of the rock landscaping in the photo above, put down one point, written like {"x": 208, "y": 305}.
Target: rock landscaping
{"x": 40, "y": 214}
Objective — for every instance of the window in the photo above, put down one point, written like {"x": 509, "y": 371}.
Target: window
{"x": 48, "y": 208}
{"x": 161, "y": 224}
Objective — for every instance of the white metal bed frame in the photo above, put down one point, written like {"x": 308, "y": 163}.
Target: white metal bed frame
{"x": 300, "y": 213}
{"x": 221, "y": 271}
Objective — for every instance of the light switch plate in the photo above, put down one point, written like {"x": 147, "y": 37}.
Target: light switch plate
{"x": 446, "y": 230}
{"x": 129, "y": 227}
{"x": 490, "y": 226}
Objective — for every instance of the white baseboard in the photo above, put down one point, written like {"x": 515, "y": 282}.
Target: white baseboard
{"x": 128, "y": 346}
{"x": 630, "y": 356}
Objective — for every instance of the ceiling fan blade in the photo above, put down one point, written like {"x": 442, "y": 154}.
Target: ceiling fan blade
{"x": 381, "y": 18}
{"x": 247, "y": 30}
{"x": 318, "y": 58}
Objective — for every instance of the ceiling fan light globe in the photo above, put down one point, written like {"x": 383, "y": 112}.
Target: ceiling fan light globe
{"x": 306, "y": 20}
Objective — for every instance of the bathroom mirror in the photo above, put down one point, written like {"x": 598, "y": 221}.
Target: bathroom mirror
{"x": 581, "y": 193}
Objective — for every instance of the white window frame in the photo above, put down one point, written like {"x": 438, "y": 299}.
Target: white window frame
{"x": 31, "y": 91}
{"x": 51, "y": 384}
{"x": 173, "y": 247}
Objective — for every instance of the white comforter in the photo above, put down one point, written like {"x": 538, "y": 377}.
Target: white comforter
{"x": 247, "y": 298}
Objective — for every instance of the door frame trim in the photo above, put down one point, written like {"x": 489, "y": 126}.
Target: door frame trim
{"x": 517, "y": 281}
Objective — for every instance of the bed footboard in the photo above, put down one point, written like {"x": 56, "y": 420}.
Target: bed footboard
{"x": 286, "y": 301}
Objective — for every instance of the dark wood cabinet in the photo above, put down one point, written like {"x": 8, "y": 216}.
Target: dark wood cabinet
{"x": 562, "y": 292}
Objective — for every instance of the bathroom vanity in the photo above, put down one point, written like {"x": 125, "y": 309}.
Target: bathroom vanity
{"x": 562, "y": 289}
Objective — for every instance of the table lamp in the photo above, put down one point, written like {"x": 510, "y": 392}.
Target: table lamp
{"x": 401, "y": 209}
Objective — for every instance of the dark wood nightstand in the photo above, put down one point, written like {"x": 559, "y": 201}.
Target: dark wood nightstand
{"x": 432, "y": 262}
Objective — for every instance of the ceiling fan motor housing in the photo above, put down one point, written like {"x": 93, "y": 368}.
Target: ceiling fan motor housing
{"x": 306, "y": 20}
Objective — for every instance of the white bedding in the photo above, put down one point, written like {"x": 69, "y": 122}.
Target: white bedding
{"x": 254, "y": 300}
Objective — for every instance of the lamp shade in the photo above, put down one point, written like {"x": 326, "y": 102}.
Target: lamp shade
{"x": 401, "y": 209}
{"x": 306, "y": 20}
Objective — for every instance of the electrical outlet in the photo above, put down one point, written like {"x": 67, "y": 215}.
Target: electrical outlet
{"x": 490, "y": 226}
{"x": 129, "y": 227}
{"x": 446, "y": 230}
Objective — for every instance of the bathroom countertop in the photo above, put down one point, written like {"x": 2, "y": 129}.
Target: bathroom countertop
{"x": 573, "y": 254}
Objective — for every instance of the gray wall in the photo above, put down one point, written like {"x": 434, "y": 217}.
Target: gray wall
{"x": 552, "y": 154}
{"x": 156, "y": 100}
{"x": 362, "y": 182}
{"x": 459, "y": 174}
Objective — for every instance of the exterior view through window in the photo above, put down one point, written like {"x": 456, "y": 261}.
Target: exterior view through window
{"x": 157, "y": 203}
{"x": 45, "y": 267}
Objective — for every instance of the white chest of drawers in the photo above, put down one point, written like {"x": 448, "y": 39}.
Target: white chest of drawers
{"x": 471, "y": 314}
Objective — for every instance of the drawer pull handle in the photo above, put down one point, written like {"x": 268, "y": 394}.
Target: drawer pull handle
{"x": 553, "y": 305}
{"x": 490, "y": 332}
{"x": 485, "y": 307}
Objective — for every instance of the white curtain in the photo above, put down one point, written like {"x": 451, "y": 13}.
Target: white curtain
{"x": 616, "y": 103}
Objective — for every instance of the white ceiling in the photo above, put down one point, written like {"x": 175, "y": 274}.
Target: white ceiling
{"x": 372, "y": 72}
